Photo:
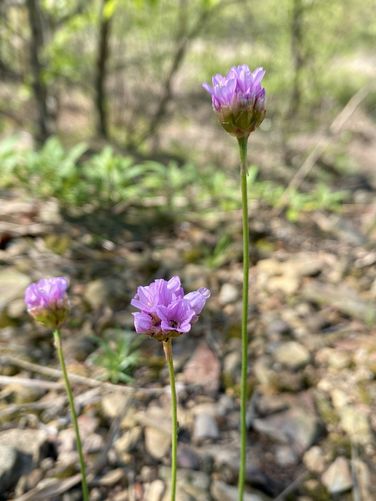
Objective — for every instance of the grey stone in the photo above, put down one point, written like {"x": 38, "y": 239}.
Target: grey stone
{"x": 103, "y": 291}
{"x": 193, "y": 485}
{"x": 314, "y": 460}
{"x": 337, "y": 477}
{"x": 157, "y": 442}
{"x": 292, "y": 355}
{"x": 228, "y": 294}
{"x": 223, "y": 492}
{"x": 363, "y": 477}
{"x": 203, "y": 368}
{"x": 263, "y": 372}
{"x": 114, "y": 404}
{"x": 232, "y": 363}
{"x": 188, "y": 458}
{"x": 128, "y": 440}
{"x": 205, "y": 427}
{"x": 155, "y": 490}
{"x": 285, "y": 456}
{"x": 345, "y": 299}
{"x": 356, "y": 424}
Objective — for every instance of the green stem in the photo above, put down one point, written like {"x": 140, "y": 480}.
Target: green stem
{"x": 59, "y": 348}
{"x": 244, "y": 372}
{"x": 167, "y": 347}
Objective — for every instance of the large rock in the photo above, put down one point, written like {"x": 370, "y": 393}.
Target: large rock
{"x": 296, "y": 427}
{"x": 20, "y": 451}
{"x": 10, "y": 470}
{"x": 31, "y": 443}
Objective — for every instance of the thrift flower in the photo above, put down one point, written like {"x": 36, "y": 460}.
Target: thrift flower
{"x": 165, "y": 312}
{"x": 238, "y": 99}
{"x": 47, "y": 301}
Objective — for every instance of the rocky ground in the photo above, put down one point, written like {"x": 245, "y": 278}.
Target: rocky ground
{"x": 312, "y": 352}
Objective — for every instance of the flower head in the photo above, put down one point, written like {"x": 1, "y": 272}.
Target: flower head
{"x": 238, "y": 99}
{"x": 47, "y": 301}
{"x": 165, "y": 311}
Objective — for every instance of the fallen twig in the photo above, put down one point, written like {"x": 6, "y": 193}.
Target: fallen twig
{"x": 50, "y": 488}
{"x": 291, "y": 488}
{"x": 37, "y": 383}
{"x": 75, "y": 378}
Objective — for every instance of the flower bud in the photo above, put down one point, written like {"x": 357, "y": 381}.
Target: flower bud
{"x": 47, "y": 301}
{"x": 239, "y": 100}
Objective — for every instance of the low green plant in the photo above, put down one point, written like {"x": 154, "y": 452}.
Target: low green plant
{"x": 107, "y": 178}
{"x": 220, "y": 253}
{"x": 117, "y": 356}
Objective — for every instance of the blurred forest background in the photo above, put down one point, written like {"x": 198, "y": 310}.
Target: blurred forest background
{"x": 114, "y": 171}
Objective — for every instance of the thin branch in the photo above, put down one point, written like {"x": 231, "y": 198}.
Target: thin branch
{"x": 28, "y": 406}
{"x": 177, "y": 61}
{"x": 37, "y": 383}
{"x": 334, "y": 129}
{"x": 291, "y": 487}
{"x": 75, "y": 378}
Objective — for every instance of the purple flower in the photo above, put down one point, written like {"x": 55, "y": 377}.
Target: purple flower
{"x": 164, "y": 309}
{"x": 47, "y": 301}
{"x": 177, "y": 316}
{"x": 238, "y": 99}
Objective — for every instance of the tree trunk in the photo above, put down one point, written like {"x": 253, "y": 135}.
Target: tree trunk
{"x": 183, "y": 40}
{"x": 101, "y": 72}
{"x": 44, "y": 128}
{"x": 297, "y": 53}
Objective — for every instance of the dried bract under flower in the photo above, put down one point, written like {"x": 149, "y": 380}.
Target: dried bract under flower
{"x": 165, "y": 311}
{"x": 238, "y": 99}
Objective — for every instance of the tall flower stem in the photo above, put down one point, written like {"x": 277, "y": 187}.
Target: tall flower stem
{"x": 167, "y": 347}
{"x": 244, "y": 372}
{"x": 59, "y": 348}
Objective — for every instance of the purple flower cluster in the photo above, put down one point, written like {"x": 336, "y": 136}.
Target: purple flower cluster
{"x": 47, "y": 301}
{"x": 165, "y": 311}
{"x": 239, "y": 99}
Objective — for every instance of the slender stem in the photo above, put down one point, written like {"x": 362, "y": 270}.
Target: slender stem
{"x": 59, "y": 348}
{"x": 167, "y": 347}
{"x": 244, "y": 373}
